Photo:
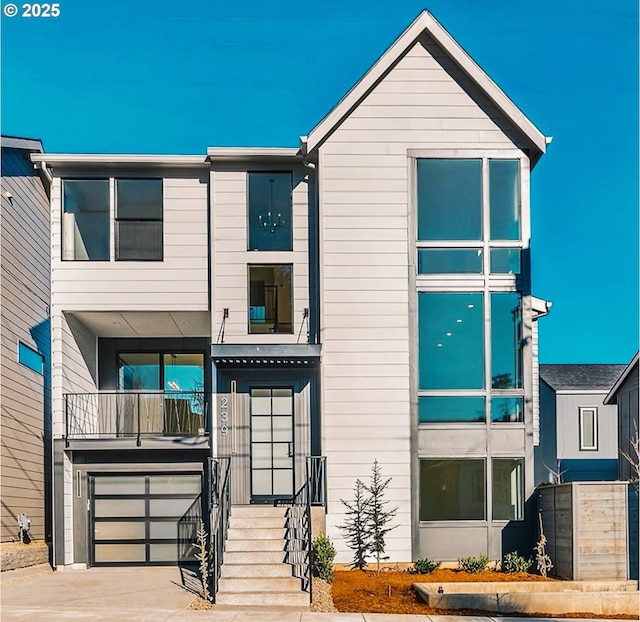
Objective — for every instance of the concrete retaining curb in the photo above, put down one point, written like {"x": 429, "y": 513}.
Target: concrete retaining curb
{"x": 610, "y": 598}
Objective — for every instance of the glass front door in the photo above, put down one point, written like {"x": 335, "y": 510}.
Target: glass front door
{"x": 272, "y": 448}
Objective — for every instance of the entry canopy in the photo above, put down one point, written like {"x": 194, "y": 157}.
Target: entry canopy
{"x": 294, "y": 355}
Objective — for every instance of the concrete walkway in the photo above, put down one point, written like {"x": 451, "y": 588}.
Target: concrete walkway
{"x": 145, "y": 595}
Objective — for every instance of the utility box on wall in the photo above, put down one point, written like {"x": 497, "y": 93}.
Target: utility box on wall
{"x": 585, "y": 524}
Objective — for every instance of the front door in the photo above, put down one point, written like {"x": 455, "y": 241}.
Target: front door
{"x": 272, "y": 448}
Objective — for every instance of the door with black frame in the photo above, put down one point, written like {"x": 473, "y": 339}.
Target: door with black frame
{"x": 272, "y": 444}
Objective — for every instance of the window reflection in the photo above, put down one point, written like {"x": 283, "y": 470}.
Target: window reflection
{"x": 451, "y": 342}
{"x": 449, "y": 199}
{"x": 506, "y": 352}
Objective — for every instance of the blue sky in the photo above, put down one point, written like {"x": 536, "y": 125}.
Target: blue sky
{"x": 177, "y": 76}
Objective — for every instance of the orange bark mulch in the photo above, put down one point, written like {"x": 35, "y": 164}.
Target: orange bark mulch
{"x": 390, "y": 592}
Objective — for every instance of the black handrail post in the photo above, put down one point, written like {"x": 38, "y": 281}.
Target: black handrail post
{"x": 138, "y": 442}
{"x": 310, "y": 532}
{"x": 66, "y": 423}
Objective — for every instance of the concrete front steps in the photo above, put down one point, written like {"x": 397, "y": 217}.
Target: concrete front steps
{"x": 254, "y": 571}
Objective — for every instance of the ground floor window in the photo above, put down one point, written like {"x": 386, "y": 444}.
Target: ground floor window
{"x": 508, "y": 489}
{"x": 452, "y": 489}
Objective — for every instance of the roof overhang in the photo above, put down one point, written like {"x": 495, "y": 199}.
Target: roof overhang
{"x": 68, "y": 160}
{"x": 28, "y": 144}
{"x": 250, "y": 355}
{"x": 238, "y": 154}
{"x": 612, "y": 396}
{"x": 425, "y": 22}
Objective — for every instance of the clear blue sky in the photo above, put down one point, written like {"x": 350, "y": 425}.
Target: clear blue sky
{"x": 177, "y": 76}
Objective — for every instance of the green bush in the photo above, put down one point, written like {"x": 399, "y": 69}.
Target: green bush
{"x": 425, "y": 566}
{"x": 513, "y": 562}
{"x": 322, "y": 556}
{"x": 474, "y": 565}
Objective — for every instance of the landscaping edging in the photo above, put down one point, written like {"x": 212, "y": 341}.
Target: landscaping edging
{"x": 610, "y": 598}
{"x": 15, "y": 555}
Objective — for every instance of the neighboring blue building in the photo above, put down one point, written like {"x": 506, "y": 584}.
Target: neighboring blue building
{"x": 578, "y": 433}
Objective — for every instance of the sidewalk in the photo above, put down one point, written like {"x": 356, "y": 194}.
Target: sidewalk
{"x": 145, "y": 595}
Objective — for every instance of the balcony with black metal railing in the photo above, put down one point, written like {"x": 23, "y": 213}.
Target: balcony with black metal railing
{"x": 136, "y": 417}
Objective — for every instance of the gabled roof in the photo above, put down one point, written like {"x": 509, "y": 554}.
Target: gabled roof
{"x": 580, "y": 377}
{"x": 425, "y": 22}
{"x": 613, "y": 394}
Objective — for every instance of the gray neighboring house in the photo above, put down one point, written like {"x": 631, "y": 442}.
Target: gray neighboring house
{"x": 624, "y": 395}
{"x": 24, "y": 328}
{"x": 578, "y": 432}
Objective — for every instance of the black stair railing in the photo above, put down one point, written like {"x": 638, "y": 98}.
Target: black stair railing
{"x": 298, "y": 535}
{"x": 220, "y": 509}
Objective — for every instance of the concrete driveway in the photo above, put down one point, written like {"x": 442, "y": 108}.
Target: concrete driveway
{"x": 95, "y": 594}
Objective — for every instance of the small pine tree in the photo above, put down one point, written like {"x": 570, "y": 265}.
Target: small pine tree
{"x": 356, "y": 528}
{"x": 378, "y": 516}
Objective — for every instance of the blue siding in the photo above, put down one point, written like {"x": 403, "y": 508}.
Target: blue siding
{"x": 589, "y": 470}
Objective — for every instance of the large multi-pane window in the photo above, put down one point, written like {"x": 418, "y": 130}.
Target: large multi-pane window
{"x": 469, "y": 209}
{"x": 270, "y": 212}
{"x": 86, "y": 219}
{"x": 455, "y": 489}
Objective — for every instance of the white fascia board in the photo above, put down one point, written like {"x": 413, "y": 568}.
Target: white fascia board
{"x": 251, "y": 153}
{"x": 612, "y": 395}
{"x": 425, "y": 22}
{"x": 67, "y": 159}
{"x": 581, "y": 392}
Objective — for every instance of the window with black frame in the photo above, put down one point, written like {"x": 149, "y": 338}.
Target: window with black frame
{"x": 270, "y": 211}
{"x": 139, "y": 214}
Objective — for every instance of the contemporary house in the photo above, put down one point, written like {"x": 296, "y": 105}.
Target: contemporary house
{"x": 578, "y": 432}
{"x": 303, "y": 312}
{"x": 25, "y": 350}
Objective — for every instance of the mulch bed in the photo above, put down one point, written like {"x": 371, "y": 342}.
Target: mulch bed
{"x": 390, "y": 592}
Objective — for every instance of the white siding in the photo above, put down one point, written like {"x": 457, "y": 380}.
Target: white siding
{"x": 366, "y": 296}
{"x": 178, "y": 283}
{"x": 231, "y": 257}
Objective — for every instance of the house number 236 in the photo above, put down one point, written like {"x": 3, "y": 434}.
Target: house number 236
{"x": 224, "y": 415}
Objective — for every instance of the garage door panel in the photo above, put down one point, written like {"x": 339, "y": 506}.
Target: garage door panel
{"x": 120, "y": 530}
{"x": 119, "y": 507}
{"x": 175, "y": 484}
{"x": 163, "y": 552}
{"x": 109, "y": 553}
{"x": 136, "y": 516}
{"x": 118, "y": 485}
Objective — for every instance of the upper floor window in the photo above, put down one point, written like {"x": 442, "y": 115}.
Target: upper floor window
{"x": 270, "y": 298}
{"x": 474, "y": 206}
{"x": 588, "y": 429}
{"x": 85, "y": 219}
{"x": 449, "y": 199}
{"x": 138, "y": 234}
{"x": 270, "y": 211}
